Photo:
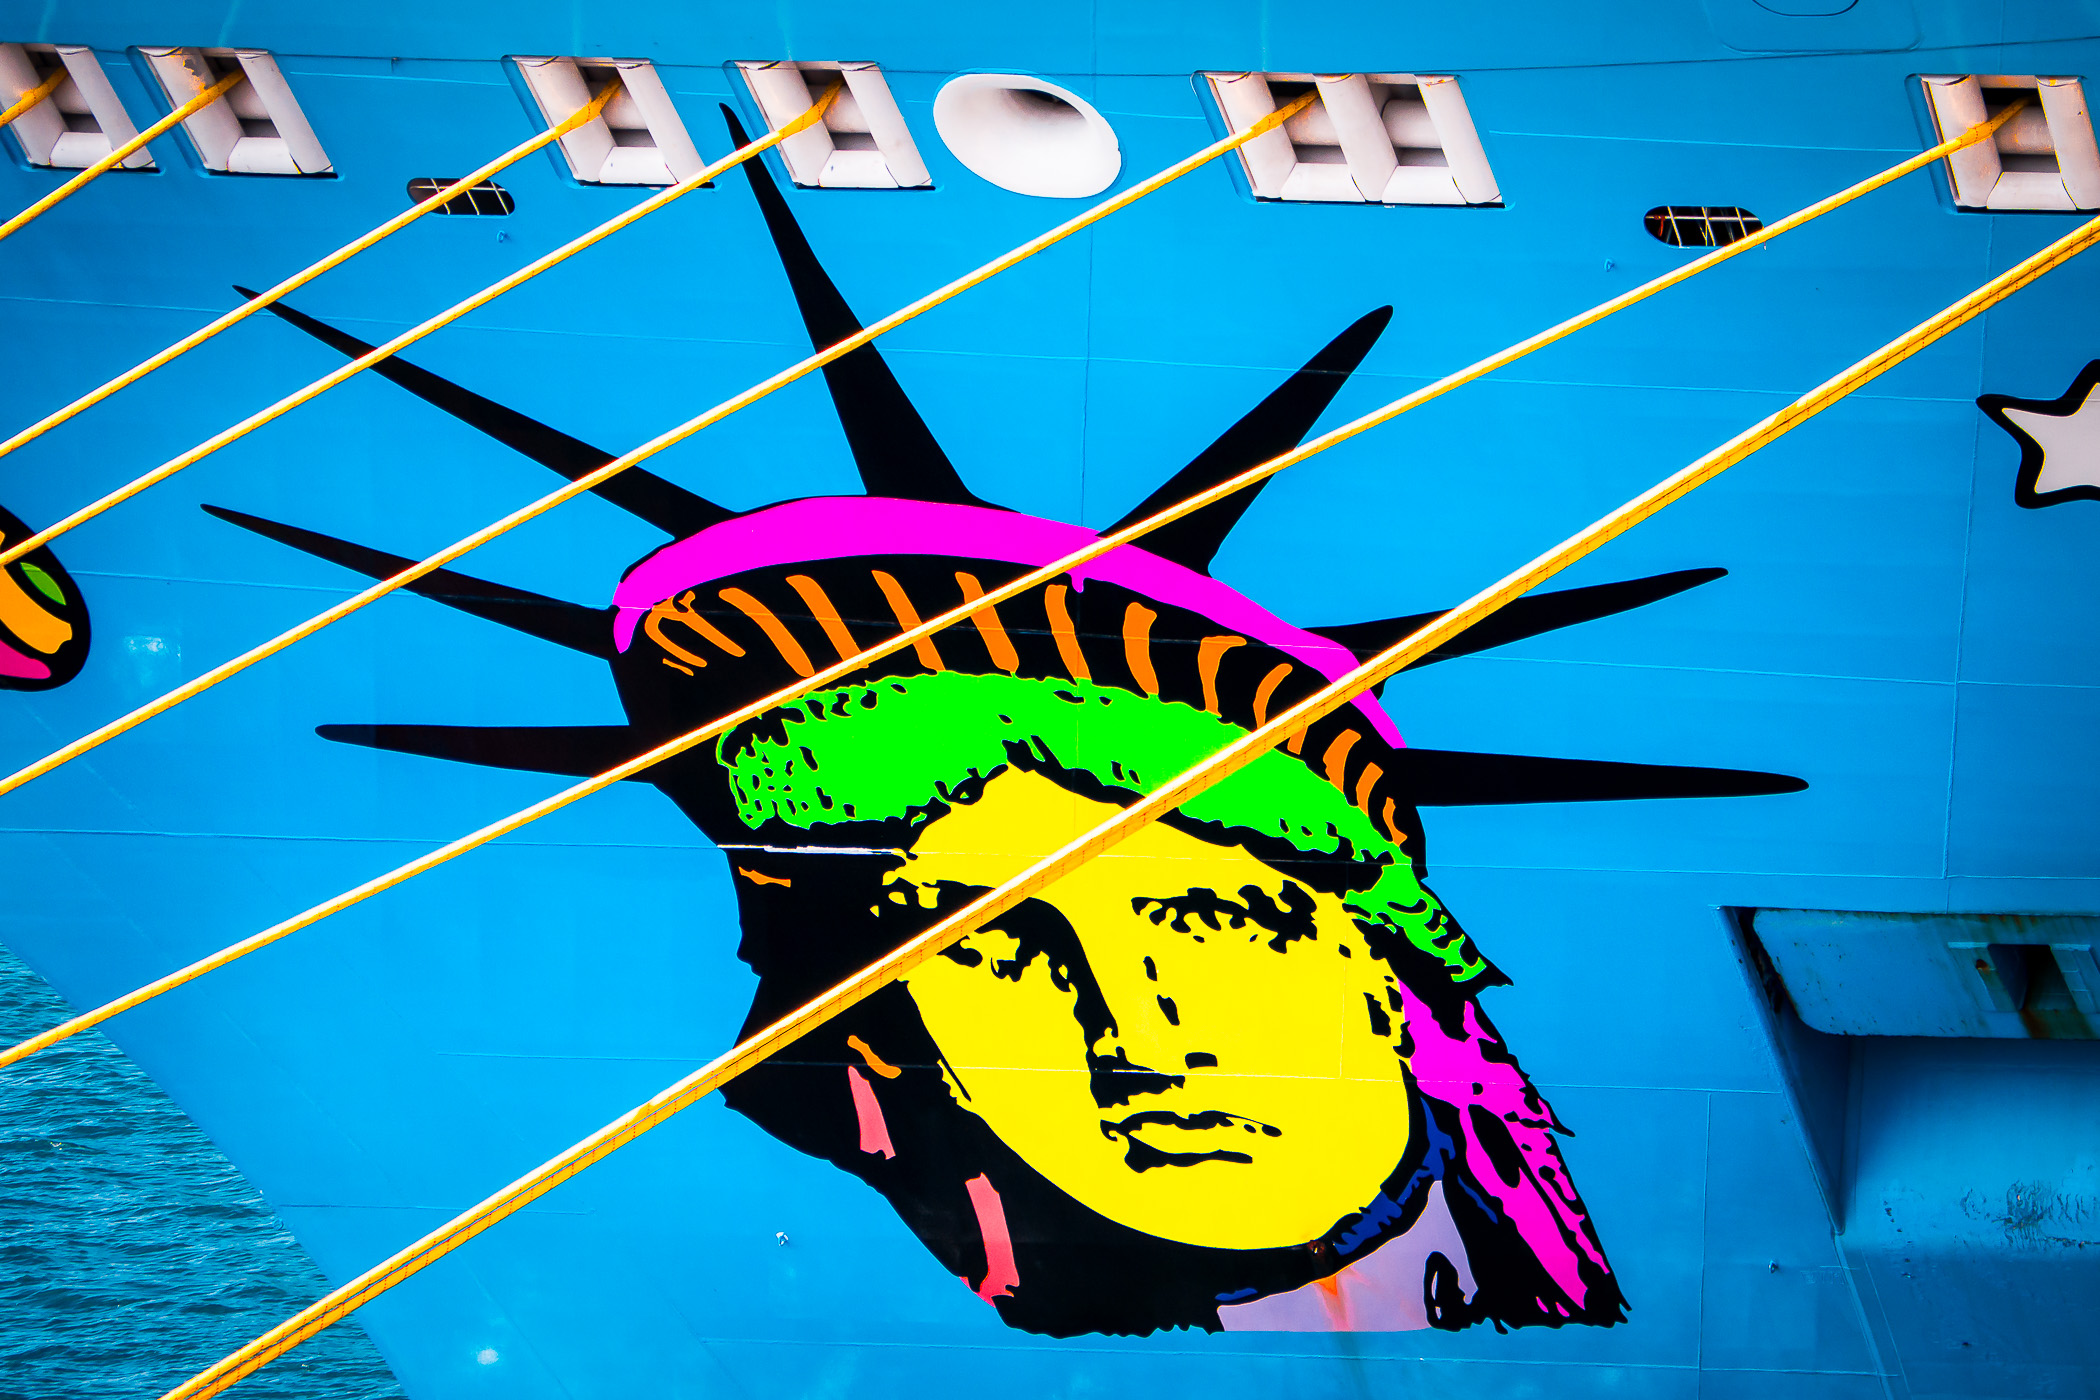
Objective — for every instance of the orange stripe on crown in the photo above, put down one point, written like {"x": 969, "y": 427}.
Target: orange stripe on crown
{"x": 988, "y": 626}
{"x": 1266, "y": 689}
{"x": 679, "y": 610}
{"x": 1137, "y": 645}
{"x": 776, "y": 632}
{"x": 1365, "y": 781}
{"x": 1392, "y": 828}
{"x": 1210, "y": 654}
{"x": 1336, "y": 759}
{"x": 827, "y": 616}
{"x": 1064, "y": 634}
{"x": 908, "y": 616}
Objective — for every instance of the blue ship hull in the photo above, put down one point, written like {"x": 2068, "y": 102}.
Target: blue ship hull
{"x": 1785, "y": 1208}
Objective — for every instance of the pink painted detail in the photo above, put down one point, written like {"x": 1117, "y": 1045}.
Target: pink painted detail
{"x": 874, "y": 1129}
{"x": 13, "y": 663}
{"x": 853, "y": 527}
{"x": 1547, "y": 1213}
{"x": 1000, "y": 1275}
{"x": 1382, "y": 1293}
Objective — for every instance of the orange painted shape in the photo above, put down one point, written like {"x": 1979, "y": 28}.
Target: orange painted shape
{"x": 1365, "y": 781}
{"x": 1336, "y": 760}
{"x": 1064, "y": 634}
{"x": 1210, "y": 654}
{"x": 26, "y": 618}
{"x": 697, "y": 620}
{"x": 908, "y": 617}
{"x": 1266, "y": 689}
{"x": 875, "y": 1062}
{"x": 759, "y": 877}
{"x": 776, "y": 631}
{"x": 996, "y": 642}
{"x": 680, "y": 610}
{"x": 653, "y": 625}
{"x": 1392, "y": 828}
{"x": 1137, "y": 645}
{"x": 827, "y": 616}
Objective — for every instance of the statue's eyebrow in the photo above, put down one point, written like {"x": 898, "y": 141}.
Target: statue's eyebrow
{"x": 1199, "y": 900}
{"x": 1288, "y": 920}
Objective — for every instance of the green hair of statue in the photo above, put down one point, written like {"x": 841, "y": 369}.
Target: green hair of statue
{"x": 909, "y": 748}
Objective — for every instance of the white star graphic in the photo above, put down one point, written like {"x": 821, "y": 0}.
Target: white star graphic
{"x": 2059, "y": 441}
{"x": 2070, "y": 446}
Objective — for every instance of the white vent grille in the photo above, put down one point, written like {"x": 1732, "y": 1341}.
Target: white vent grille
{"x": 862, "y": 143}
{"x": 639, "y": 139}
{"x": 255, "y": 129}
{"x": 1368, "y": 138}
{"x": 79, "y": 123}
{"x": 2044, "y": 158}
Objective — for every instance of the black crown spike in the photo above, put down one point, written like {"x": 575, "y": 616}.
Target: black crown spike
{"x": 1428, "y": 777}
{"x": 588, "y": 630}
{"x": 641, "y": 493}
{"x": 892, "y": 446}
{"x": 1526, "y": 617}
{"x": 1271, "y": 428}
{"x": 572, "y": 751}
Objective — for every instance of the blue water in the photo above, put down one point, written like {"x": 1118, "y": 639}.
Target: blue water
{"x": 132, "y": 1254}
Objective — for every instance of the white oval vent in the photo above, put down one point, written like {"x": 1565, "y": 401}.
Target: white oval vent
{"x": 1026, "y": 135}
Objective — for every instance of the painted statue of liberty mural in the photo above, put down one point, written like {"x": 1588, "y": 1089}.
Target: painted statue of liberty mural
{"x": 1234, "y": 1074}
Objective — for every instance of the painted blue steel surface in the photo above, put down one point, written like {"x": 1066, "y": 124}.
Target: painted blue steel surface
{"x": 1894, "y": 630}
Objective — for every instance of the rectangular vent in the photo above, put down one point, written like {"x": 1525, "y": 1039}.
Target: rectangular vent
{"x": 862, "y": 143}
{"x": 1990, "y": 976}
{"x": 79, "y": 123}
{"x": 639, "y": 139}
{"x": 2044, "y": 158}
{"x": 255, "y": 129}
{"x": 487, "y": 198}
{"x": 1368, "y": 138}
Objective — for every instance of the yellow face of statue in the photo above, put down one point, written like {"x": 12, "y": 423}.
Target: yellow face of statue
{"x": 1186, "y": 1040}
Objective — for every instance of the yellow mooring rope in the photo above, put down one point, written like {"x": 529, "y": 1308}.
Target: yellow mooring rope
{"x": 206, "y": 681}
{"x": 35, "y": 95}
{"x": 841, "y": 670}
{"x": 406, "y": 1263}
{"x": 584, "y": 483}
{"x": 79, "y": 182}
{"x": 293, "y": 283}
{"x": 417, "y": 332}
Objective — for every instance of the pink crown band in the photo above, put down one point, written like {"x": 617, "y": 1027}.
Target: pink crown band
{"x": 854, "y": 527}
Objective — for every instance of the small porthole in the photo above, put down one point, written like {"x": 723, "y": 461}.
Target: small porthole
{"x": 1702, "y": 225}
{"x": 488, "y": 197}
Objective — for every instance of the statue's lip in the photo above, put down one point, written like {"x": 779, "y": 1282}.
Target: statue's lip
{"x": 1207, "y": 1120}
